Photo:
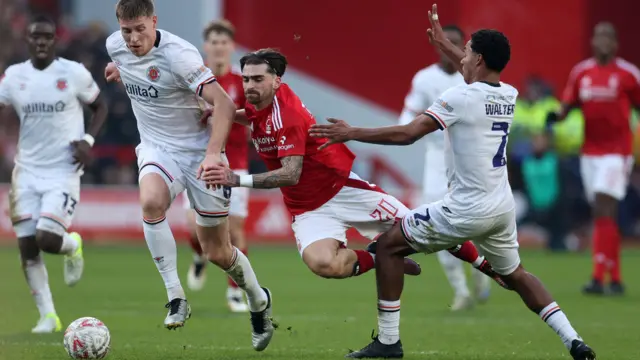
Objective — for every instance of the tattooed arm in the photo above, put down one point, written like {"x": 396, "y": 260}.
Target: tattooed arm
{"x": 287, "y": 175}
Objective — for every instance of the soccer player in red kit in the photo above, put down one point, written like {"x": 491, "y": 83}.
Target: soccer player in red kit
{"x": 606, "y": 88}
{"x": 218, "y": 47}
{"x": 323, "y": 195}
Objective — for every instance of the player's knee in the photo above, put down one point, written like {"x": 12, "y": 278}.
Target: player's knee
{"x": 153, "y": 207}
{"x": 48, "y": 241}
{"x": 154, "y": 196}
{"x": 605, "y": 206}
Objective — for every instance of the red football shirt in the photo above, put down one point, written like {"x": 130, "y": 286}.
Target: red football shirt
{"x": 281, "y": 130}
{"x": 606, "y": 94}
{"x": 237, "y": 147}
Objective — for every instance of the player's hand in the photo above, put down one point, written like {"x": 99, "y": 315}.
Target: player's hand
{"x": 210, "y": 161}
{"x": 206, "y": 115}
{"x": 220, "y": 176}
{"x": 81, "y": 153}
{"x": 111, "y": 73}
{"x": 336, "y": 132}
{"x": 435, "y": 32}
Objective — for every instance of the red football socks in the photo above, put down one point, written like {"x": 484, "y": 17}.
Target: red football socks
{"x": 365, "y": 262}
{"x": 466, "y": 252}
{"x": 606, "y": 249}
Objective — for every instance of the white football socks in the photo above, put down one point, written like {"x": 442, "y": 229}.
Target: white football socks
{"x": 242, "y": 273}
{"x": 454, "y": 271}
{"x": 69, "y": 245}
{"x": 38, "y": 280}
{"x": 557, "y": 320}
{"x": 162, "y": 246}
{"x": 388, "y": 321}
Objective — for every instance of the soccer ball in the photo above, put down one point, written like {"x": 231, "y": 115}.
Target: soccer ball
{"x": 87, "y": 338}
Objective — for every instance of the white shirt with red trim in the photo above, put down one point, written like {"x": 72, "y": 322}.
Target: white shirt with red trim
{"x": 163, "y": 86}
{"x": 49, "y": 105}
{"x": 477, "y": 117}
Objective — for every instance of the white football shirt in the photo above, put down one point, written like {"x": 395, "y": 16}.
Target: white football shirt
{"x": 163, "y": 86}
{"x": 48, "y": 103}
{"x": 477, "y": 118}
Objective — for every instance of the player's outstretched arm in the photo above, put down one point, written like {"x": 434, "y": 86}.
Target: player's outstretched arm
{"x": 287, "y": 175}
{"x": 439, "y": 39}
{"x": 338, "y": 131}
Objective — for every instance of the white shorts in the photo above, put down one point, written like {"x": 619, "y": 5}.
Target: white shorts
{"x": 239, "y": 199}
{"x": 434, "y": 181}
{"x": 606, "y": 174}
{"x": 42, "y": 203}
{"x": 358, "y": 204}
{"x": 179, "y": 171}
{"x": 432, "y": 227}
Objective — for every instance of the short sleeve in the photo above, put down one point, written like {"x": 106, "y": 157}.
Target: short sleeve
{"x": 570, "y": 94}
{"x": 634, "y": 91}
{"x": 449, "y": 108}
{"x": 86, "y": 88}
{"x": 5, "y": 93}
{"x": 189, "y": 70}
{"x": 292, "y": 135}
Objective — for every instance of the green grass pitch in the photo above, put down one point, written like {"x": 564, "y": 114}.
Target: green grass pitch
{"x": 318, "y": 319}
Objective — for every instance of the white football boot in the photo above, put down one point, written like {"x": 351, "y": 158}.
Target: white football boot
{"x": 462, "y": 303}
{"x": 179, "y": 313}
{"x": 236, "y": 301}
{"x": 262, "y": 325}
{"x": 196, "y": 276}
{"x": 48, "y": 324}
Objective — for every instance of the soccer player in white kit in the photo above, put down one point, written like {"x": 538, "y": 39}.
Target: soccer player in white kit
{"x": 164, "y": 75}
{"x": 479, "y": 204}
{"x": 427, "y": 85}
{"x": 47, "y": 93}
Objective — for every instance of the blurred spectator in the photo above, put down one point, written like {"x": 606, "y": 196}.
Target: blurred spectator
{"x": 541, "y": 176}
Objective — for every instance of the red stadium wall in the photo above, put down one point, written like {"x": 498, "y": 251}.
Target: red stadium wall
{"x": 372, "y": 48}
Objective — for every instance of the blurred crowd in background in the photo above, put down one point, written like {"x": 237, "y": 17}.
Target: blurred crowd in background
{"x": 543, "y": 165}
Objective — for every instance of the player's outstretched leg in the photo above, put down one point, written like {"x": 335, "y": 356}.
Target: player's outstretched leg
{"x": 155, "y": 199}
{"x": 196, "y": 276}
{"x": 36, "y": 275}
{"x": 331, "y": 259}
{"x": 539, "y": 300}
{"x": 454, "y": 271}
{"x": 214, "y": 235}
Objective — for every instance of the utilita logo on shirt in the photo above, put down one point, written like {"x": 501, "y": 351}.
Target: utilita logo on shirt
{"x": 137, "y": 90}
{"x": 43, "y": 108}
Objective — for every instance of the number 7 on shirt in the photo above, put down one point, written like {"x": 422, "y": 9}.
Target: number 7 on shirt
{"x": 499, "y": 158}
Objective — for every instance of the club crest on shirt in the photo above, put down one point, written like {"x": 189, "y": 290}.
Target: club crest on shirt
{"x": 268, "y": 125}
{"x": 153, "y": 73}
{"x": 61, "y": 84}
